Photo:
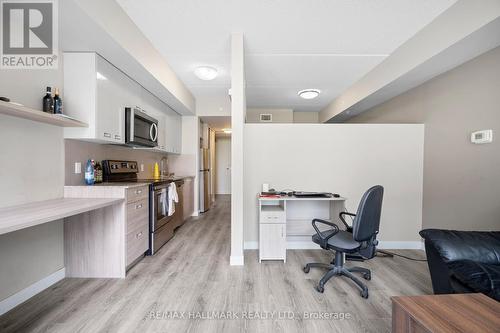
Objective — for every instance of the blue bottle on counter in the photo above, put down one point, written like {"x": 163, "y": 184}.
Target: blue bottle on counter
{"x": 89, "y": 173}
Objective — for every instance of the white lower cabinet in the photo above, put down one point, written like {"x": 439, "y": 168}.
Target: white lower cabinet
{"x": 272, "y": 241}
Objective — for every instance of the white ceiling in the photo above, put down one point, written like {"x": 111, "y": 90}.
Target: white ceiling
{"x": 289, "y": 44}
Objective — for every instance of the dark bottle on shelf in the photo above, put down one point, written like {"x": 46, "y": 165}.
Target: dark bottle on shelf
{"x": 98, "y": 173}
{"x": 48, "y": 101}
{"x": 58, "y": 105}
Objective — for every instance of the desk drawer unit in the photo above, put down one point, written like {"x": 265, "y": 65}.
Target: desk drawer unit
{"x": 272, "y": 231}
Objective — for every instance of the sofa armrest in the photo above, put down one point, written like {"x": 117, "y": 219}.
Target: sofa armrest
{"x": 451, "y": 245}
{"x": 440, "y": 274}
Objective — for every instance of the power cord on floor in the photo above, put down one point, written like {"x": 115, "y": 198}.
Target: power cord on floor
{"x": 399, "y": 255}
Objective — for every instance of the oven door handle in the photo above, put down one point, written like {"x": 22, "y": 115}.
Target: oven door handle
{"x": 155, "y": 128}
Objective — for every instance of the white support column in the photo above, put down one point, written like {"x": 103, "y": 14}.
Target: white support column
{"x": 238, "y": 111}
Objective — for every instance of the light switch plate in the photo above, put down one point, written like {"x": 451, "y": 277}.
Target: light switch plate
{"x": 78, "y": 167}
{"x": 142, "y": 167}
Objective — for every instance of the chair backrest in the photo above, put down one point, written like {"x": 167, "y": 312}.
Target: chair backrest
{"x": 367, "y": 221}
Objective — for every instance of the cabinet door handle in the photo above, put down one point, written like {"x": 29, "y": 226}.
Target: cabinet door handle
{"x": 138, "y": 191}
{"x": 117, "y": 137}
{"x": 281, "y": 232}
{"x": 139, "y": 235}
{"x": 107, "y": 135}
{"x": 138, "y": 206}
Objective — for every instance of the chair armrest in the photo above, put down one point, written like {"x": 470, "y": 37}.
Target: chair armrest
{"x": 341, "y": 217}
{"x": 324, "y": 238}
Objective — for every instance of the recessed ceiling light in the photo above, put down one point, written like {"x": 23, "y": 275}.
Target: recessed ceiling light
{"x": 205, "y": 73}
{"x": 227, "y": 130}
{"x": 309, "y": 93}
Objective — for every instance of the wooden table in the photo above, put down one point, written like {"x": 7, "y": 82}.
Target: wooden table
{"x": 445, "y": 313}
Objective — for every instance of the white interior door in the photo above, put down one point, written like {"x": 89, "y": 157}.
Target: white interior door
{"x": 223, "y": 165}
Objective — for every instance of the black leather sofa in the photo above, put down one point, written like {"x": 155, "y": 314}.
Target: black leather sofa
{"x": 463, "y": 261}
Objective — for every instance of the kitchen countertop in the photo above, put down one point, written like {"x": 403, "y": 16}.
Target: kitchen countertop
{"x": 31, "y": 214}
{"x": 124, "y": 184}
{"x": 132, "y": 184}
{"x": 175, "y": 178}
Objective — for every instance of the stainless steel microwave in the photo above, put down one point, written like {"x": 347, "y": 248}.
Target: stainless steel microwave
{"x": 140, "y": 128}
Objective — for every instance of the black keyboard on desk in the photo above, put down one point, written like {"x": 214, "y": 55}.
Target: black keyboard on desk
{"x": 313, "y": 195}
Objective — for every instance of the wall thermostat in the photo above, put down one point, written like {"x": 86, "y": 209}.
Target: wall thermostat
{"x": 484, "y": 136}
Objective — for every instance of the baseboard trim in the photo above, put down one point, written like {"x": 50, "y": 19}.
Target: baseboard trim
{"x": 308, "y": 245}
{"x": 236, "y": 260}
{"x": 405, "y": 245}
{"x": 21, "y": 296}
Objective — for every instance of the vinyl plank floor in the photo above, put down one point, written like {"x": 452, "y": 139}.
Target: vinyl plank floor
{"x": 189, "y": 282}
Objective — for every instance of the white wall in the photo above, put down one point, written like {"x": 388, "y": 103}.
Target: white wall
{"x": 279, "y": 115}
{"x": 222, "y": 162}
{"x": 461, "y": 179}
{"x": 305, "y": 117}
{"x": 345, "y": 159}
{"x": 31, "y": 169}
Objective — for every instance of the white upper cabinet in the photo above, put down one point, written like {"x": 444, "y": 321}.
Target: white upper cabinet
{"x": 177, "y": 128}
{"x": 96, "y": 91}
{"x": 174, "y": 132}
{"x": 169, "y": 123}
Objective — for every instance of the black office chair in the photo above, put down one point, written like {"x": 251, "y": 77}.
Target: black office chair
{"x": 361, "y": 240}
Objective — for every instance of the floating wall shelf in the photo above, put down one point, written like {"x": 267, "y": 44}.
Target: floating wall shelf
{"x": 21, "y": 111}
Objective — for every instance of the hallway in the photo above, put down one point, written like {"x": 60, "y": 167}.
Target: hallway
{"x": 189, "y": 282}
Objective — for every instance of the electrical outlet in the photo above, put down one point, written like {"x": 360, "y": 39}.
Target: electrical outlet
{"x": 142, "y": 167}
{"x": 78, "y": 167}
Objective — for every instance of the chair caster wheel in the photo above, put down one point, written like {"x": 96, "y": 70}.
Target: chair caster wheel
{"x": 306, "y": 269}
{"x": 364, "y": 293}
{"x": 367, "y": 276}
{"x": 320, "y": 289}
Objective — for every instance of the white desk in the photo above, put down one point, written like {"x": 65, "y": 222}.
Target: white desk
{"x": 286, "y": 221}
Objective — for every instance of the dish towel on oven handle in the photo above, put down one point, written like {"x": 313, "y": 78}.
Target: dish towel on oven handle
{"x": 164, "y": 201}
{"x": 173, "y": 198}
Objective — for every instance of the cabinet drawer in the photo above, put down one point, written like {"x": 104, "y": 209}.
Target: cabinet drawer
{"x": 272, "y": 217}
{"x": 137, "y": 242}
{"x": 137, "y": 193}
{"x": 137, "y": 213}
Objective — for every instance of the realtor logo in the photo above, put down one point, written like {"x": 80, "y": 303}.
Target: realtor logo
{"x": 29, "y": 34}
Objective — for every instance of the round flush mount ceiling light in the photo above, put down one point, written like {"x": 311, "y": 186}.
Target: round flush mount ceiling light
{"x": 309, "y": 93}
{"x": 206, "y": 73}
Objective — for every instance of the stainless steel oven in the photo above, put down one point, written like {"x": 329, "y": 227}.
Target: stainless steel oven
{"x": 161, "y": 228}
{"x": 140, "y": 128}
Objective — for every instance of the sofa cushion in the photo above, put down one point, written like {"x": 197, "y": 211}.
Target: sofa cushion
{"x": 483, "y": 278}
